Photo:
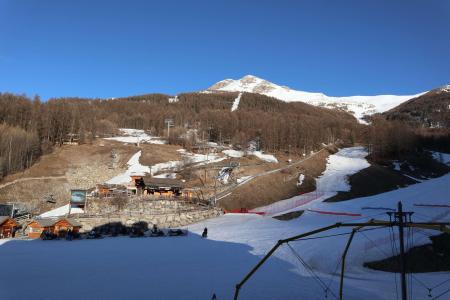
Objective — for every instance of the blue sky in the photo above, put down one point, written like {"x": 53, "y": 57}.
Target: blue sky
{"x": 116, "y": 48}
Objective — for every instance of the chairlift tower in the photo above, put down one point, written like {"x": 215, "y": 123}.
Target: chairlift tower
{"x": 400, "y": 220}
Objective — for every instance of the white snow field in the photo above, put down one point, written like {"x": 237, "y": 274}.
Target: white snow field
{"x": 357, "y": 105}
{"x": 194, "y": 268}
{"x": 134, "y": 136}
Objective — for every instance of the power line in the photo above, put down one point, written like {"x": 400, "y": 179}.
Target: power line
{"x": 440, "y": 295}
{"x": 311, "y": 271}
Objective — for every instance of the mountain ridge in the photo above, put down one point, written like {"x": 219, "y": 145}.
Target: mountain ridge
{"x": 359, "y": 106}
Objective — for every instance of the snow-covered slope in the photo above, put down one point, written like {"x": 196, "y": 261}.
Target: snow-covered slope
{"x": 195, "y": 268}
{"x": 357, "y": 105}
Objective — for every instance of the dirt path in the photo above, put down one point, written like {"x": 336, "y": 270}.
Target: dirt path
{"x": 30, "y": 178}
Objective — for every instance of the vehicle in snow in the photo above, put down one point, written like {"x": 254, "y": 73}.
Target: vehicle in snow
{"x": 93, "y": 235}
{"x": 47, "y": 235}
{"x": 155, "y": 232}
{"x": 177, "y": 232}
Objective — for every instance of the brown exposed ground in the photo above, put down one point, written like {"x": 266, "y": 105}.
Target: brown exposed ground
{"x": 154, "y": 154}
{"x": 67, "y": 167}
{"x": 371, "y": 181}
{"x": 379, "y": 178}
{"x": 290, "y": 215}
{"x": 268, "y": 189}
{"x": 84, "y": 166}
{"x": 433, "y": 257}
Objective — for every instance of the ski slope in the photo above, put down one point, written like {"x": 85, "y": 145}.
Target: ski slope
{"x": 195, "y": 268}
{"x": 334, "y": 179}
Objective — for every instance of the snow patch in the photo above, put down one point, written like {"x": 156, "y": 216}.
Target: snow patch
{"x": 265, "y": 157}
{"x": 174, "y": 99}
{"x": 134, "y": 168}
{"x": 443, "y": 158}
{"x": 243, "y": 179}
{"x": 233, "y": 153}
{"x": 301, "y": 178}
{"x": 166, "y": 175}
{"x": 236, "y": 102}
{"x": 238, "y": 154}
{"x": 135, "y": 136}
{"x": 61, "y": 211}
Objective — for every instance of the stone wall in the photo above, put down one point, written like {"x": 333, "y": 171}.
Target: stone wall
{"x": 167, "y": 220}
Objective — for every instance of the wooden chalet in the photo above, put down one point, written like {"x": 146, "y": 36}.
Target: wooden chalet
{"x": 162, "y": 186}
{"x": 58, "y": 226}
{"x": 7, "y": 226}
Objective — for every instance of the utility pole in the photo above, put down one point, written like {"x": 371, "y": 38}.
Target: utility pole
{"x": 401, "y": 221}
{"x": 169, "y": 123}
{"x": 401, "y": 218}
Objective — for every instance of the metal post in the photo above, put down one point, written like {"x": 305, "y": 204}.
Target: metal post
{"x": 373, "y": 223}
{"x": 400, "y": 216}
{"x": 279, "y": 243}
{"x": 344, "y": 255}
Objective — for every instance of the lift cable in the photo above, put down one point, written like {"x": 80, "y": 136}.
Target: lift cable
{"x": 334, "y": 274}
{"x": 337, "y": 234}
{"x": 429, "y": 289}
{"x": 311, "y": 271}
{"x": 440, "y": 295}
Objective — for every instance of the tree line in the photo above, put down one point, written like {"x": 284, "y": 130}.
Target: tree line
{"x": 31, "y": 127}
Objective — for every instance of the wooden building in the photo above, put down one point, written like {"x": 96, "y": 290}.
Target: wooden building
{"x": 7, "y": 226}
{"x": 111, "y": 190}
{"x": 162, "y": 186}
{"x": 58, "y": 227}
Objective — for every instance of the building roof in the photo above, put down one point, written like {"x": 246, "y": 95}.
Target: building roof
{"x": 47, "y": 222}
{"x": 3, "y": 219}
{"x": 162, "y": 182}
{"x": 110, "y": 186}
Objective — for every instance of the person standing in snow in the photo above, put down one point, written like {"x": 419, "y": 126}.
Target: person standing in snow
{"x": 205, "y": 233}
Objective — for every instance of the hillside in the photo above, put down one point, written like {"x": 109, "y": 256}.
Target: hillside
{"x": 359, "y": 106}
{"x": 34, "y": 128}
{"x": 430, "y": 110}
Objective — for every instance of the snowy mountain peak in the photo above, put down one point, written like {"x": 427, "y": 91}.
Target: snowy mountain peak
{"x": 248, "y": 83}
{"x": 445, "y": 88}
{"x": 359, "y": 106}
